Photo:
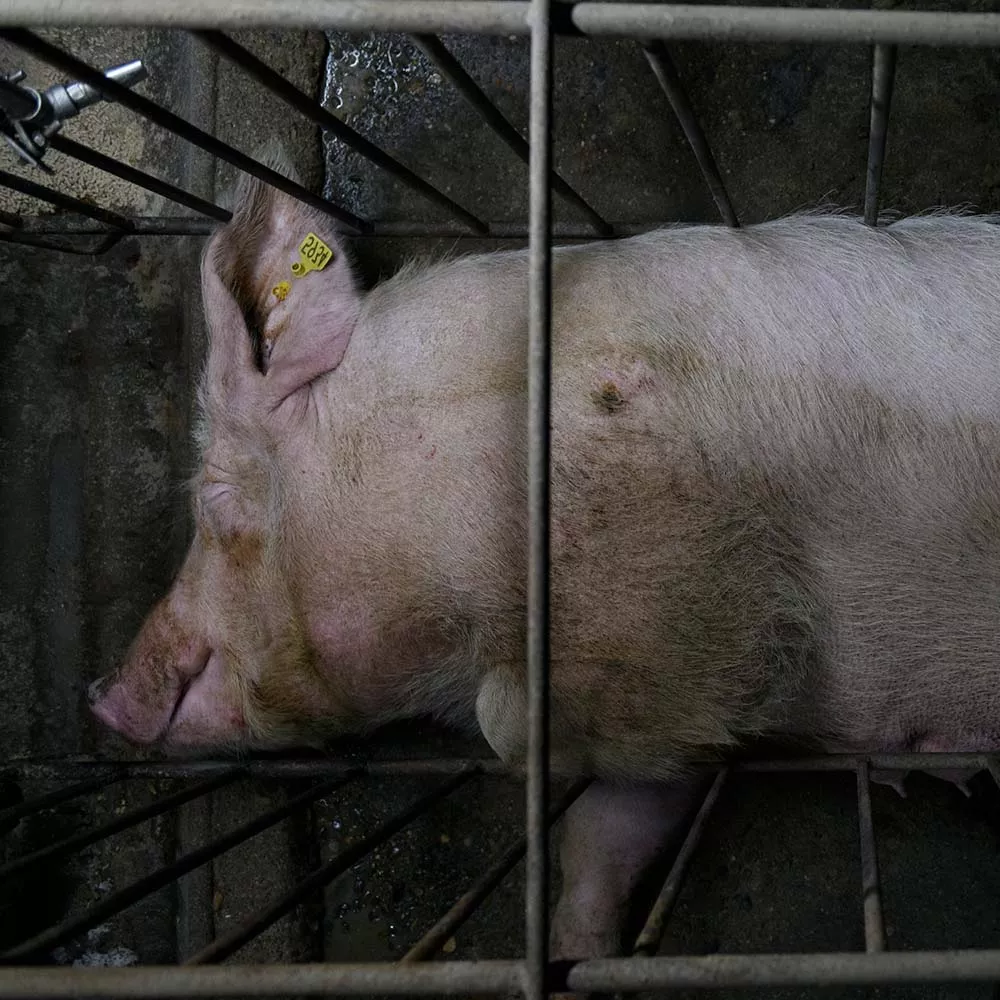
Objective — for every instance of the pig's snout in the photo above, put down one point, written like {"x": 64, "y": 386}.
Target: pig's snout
{"x": 140, "y": 700}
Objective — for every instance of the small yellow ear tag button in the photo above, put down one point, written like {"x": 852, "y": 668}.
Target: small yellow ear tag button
{"x": 314, "y": 255}
{"x": 281, "y": 290}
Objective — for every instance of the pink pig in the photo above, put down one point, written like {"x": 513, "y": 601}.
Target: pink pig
{"x": 775, "y": 510}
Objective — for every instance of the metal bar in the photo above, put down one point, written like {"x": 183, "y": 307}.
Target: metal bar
{"x": 14, "y": 813}
{"x": 90, "y": 249}
{"x": 994, "y": 769}
{"x": 707, "y": 972}
{"x": 432, "y": 942}
{"x": 539, "y": 453}
{"x": 452, "y": 70}
{"x": 48, "y": 939}
{"x": 123, "y": 822}
{"x": 712, "y": 972}
{"x": 670, "y": 80}
{"x": 64, "y": 201}
{"x": 10, "y": 219}
{"x": 68, "y": 147}
{"x": 510, "y": 17}
{"x": 649, "y": 938}
{"x": 883, "y": 79}
{"x": 315, "y": 112}
{"x": 322, "y": 767}
{"x": 221, "y": 948}
{"x": 112, "y": 91}
{"x": 870, "y": 888}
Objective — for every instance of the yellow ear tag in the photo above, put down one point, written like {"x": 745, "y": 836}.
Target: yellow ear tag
{"x": 314, "y": 255}
{"x": 281, "y": 290}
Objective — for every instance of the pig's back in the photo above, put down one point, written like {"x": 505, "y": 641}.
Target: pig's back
{"x": 775, "y": 484}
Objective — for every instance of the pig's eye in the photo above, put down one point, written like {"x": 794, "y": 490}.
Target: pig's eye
{"x": 220, "y": 504}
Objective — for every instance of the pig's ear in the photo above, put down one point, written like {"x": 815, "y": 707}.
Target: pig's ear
{"x": 297, "y": 307}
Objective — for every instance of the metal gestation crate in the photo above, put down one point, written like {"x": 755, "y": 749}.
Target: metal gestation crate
{"x": 89, "y": 229}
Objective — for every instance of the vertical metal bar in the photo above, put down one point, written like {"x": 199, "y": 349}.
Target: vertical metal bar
{"x": 870, "y": 888}
{"x": 453, "y": 71}
{"x": 670, "y": 80}
{"x": 648, "y": 941}
{"x": 883, "y": 79}
{"x": 539, "y": 394}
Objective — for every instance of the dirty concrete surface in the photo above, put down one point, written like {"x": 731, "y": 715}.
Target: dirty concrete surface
{"x": 96, "y": 405}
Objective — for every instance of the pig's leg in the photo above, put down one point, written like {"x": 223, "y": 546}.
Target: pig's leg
{"x": 612, "y": 838}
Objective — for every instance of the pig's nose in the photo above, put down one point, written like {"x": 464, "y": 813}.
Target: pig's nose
{"x": 97, "y": 689}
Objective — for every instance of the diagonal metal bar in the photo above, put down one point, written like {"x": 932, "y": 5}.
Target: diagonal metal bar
{"x": 651, "y": 934}
{"x": 109, "y": 164}
{"x": 132, "y": 818}
{"x": 230, "y": 943}
{"x": 469, "y": 901}
{"x": 883, "y": 80}
{"x": 42, "y": 943}
{"x": 670, "y": 80}
{"x": 870, "y": 888}
{"x": 539, "y": 455}
{"x": 13, "y": 813}
{"x": 64, "y": 201}
{"x": 453, "y": 71}
{"x": 112, "y": 91}
{"x": 315, "y": 111}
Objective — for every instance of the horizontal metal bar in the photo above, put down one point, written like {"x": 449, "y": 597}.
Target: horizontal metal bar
{"x": 239, "y": 981}
{"x": 221, "y": 948}
{"x": 64, "y": 201}
{"x": 289, "y": 768}
{"x": 710, "y": 972}
{"x": 669, "y": 79}
{"x": 48, "y": 801}
{"x": 46, "y": 940}
{"x": 510, "y": 17}
{"x": 323, "y": 767}
{"x": 116, "y": 92}
{"x": 469, "y": 901}
{"x": 651, "y": 934}
{"x": 92, "y": 248}
{"x": 880, "y": 761}
{"x": 119, "y": 823}
{"x": 109, "y": 164}
{"x": 316, "y": 113}
{"x": 501, "y": 977}
{"x": 453, "y": 71}
{"x": 10, "y": 219}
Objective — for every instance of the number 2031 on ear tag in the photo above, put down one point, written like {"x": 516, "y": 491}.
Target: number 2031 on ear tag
{"x": 314, "y": 255}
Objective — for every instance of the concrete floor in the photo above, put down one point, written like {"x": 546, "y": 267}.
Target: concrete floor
{"x": 94, "y": 447}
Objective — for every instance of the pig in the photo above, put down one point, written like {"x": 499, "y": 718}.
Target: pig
{"x": 775, "y": 511}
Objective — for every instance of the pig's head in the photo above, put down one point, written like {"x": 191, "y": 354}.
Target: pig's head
{"x": 224, "y": 660}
